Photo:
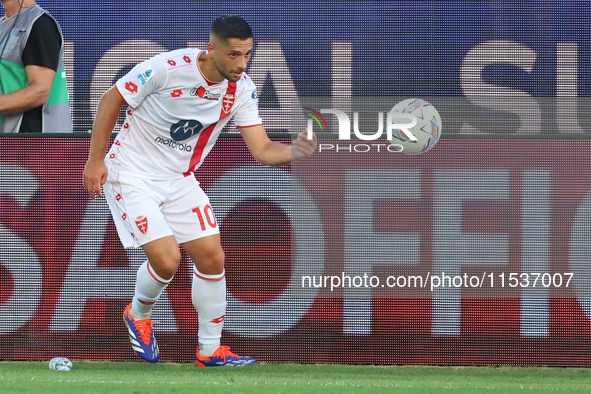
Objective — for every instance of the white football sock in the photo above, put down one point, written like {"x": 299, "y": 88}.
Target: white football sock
{"x": 148, "y": 287}
{"x": 207, "y": 349}
{"x": 208, "y": 294}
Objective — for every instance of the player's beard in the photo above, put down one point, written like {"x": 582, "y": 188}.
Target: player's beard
{"x": 228, "y": 75}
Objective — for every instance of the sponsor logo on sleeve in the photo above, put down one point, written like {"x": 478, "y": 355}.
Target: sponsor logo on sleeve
{"x": 143, "y": 77}
{"x": 132, "y": 87}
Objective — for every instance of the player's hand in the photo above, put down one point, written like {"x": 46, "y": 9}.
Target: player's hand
{"x": 303, "y": 147}
{"x": 95, "y": 175}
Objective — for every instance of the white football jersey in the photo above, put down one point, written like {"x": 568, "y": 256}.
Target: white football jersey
{"x": 175, "y": 115}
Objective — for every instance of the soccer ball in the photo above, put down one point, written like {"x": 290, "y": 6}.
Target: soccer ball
{"x": 427, "y": 130}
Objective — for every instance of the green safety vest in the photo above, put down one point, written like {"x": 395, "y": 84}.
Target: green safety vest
{"x": 57, "y": 117}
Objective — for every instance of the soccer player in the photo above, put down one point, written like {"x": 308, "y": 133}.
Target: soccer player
{"x": 179, "y": 102}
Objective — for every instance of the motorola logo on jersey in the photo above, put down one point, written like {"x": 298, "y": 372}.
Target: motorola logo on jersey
{"x": 174, "y": 145}
{"x": 184, "y": 129}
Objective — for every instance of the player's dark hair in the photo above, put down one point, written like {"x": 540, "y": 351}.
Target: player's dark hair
{"x": 231, "y": 26}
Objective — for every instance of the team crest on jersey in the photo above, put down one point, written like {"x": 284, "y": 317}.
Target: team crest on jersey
{"x": 228, "y": 103}
{"x": 204, "y": 93}
{"x": 142, "y": 224}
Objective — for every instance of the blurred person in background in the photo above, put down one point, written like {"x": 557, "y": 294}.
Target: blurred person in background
{"x": 33, "y": 91}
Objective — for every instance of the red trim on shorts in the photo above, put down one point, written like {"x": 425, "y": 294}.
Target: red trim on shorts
{"x": 122, "y": 207}
{"x": 209, "y": 279}
{"x": 154, "y": 276}
{"x": 206, "y": 133}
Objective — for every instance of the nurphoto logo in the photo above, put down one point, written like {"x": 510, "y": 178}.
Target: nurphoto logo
{"x": 397, "y": 124}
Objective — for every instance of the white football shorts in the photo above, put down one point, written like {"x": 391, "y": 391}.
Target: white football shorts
{"x": 145, "y": 210}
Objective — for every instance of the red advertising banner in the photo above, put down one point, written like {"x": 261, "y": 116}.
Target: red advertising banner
{"x": 475, "y": 253}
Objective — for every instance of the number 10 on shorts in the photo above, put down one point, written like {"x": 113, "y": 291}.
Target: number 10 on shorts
{"x": 206, "y": 214}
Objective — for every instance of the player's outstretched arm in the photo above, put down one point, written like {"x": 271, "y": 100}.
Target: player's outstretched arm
{"x": 272, "y": 153}
{"x": 95, "y": 170}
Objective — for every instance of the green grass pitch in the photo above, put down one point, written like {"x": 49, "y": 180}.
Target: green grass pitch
{"x": 139, "y": 377}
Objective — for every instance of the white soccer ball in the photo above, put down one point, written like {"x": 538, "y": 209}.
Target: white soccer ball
{"x": 427, "y": 130}
{"x": 60, "y": 364}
